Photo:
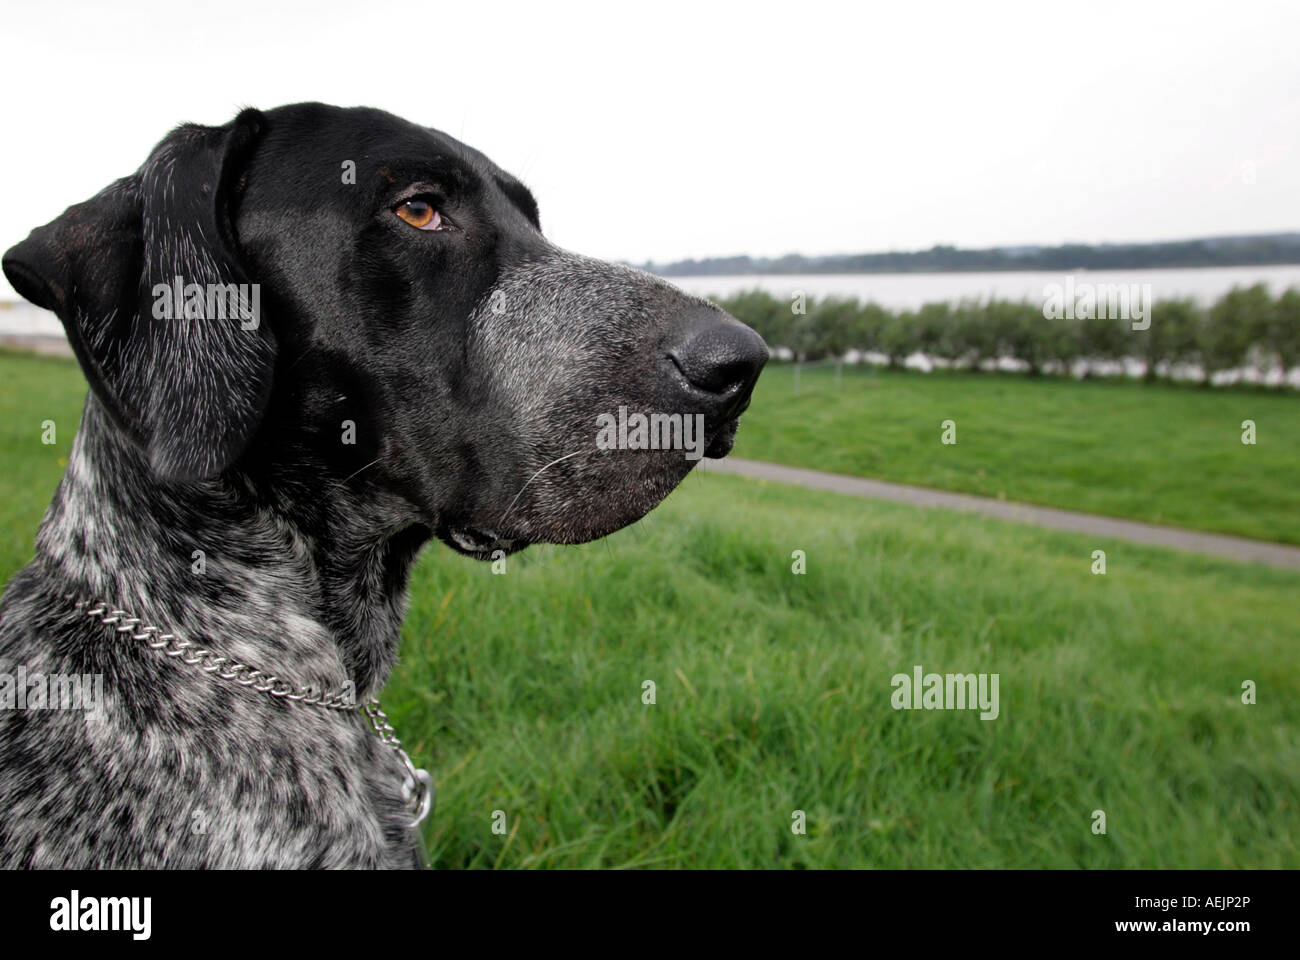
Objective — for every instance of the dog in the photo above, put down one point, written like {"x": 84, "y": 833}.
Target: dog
{"x": 228, "y": 549}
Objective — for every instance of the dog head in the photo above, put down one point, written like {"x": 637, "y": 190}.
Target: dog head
{"x": 342, "y": 288}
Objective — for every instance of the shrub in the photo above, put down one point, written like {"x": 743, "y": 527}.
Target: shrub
{"x": 1243, "y": 324}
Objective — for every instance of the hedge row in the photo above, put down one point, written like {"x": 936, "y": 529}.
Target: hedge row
{"x": 1245, "y": 327}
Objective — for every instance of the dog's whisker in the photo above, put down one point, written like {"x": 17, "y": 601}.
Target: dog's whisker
{"x": 531, "y": 479}
{"x": 362, "y": 470}
{"x": 302, "y": 355}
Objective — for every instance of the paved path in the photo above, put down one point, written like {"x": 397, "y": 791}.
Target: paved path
{"x": 37, "y": 343}
{"x": 1219, "y": 545}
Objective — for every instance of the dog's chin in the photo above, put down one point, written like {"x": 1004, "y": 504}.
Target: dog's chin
{"x": 481, "y": 543}
{"x": 624, "y": 501}
{"x": 723, "y": 440}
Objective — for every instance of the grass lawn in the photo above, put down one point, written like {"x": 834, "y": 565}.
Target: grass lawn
{"x": 33, "y": 390}
{"x": 522, "y": 692}
{"x": 1169, "y": 455}
{"x": 1118, "y": 692}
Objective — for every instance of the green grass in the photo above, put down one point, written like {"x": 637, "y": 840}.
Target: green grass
{"x": 522, "y": 692}
{"x": 32, "y": 391}
{"x": 1170, "y": 455}
{"x": 1118, "y": 692}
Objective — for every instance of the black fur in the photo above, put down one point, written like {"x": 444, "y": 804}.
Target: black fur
{"x": 468, "y": 365}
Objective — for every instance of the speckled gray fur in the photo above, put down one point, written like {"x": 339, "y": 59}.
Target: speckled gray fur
{"x": 473, "y": 365}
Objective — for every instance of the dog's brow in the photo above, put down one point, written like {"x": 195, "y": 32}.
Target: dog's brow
{"x": 444, "y": 170}
{"x": 521, "y": 197}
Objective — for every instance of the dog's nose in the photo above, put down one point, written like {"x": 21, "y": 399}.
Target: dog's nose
{"x": 719, "y": 356}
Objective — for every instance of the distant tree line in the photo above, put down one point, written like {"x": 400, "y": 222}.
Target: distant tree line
{"x": 1245, "y": 327}
{"x": 1281, "y": 248}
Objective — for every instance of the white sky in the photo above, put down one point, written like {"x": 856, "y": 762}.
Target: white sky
{"x": 665, "y": 130}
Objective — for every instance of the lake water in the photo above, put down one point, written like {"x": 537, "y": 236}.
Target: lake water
{"x": 907, "y": 291}
{"x": 894, "y": 290}
{"x": 23, "y": 319}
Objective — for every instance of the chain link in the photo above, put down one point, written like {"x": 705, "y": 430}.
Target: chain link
{"x": 241, "y": 673}
{"x": 417, "y": 788}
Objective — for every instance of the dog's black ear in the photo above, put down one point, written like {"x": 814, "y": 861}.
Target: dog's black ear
{"x": 147, "y": 279}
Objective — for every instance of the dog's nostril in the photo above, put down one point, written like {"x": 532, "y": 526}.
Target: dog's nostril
{"x": 719, "y": 355}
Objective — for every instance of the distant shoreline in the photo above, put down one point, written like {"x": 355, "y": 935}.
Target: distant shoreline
{"x": 1256, "y": 250}
{"x": 907, "y": 291}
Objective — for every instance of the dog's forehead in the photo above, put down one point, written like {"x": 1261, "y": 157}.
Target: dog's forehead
{"x": 471, "y": 157}
{"x": 373, "y": 137}
{"x": 381, "y": 150}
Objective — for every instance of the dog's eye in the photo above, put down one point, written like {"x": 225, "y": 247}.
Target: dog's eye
{"x": 420, "y": 214}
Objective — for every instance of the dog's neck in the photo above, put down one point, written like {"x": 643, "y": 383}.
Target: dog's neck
{"x": 292, "y": 572}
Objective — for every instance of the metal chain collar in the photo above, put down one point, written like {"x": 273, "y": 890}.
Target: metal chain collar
{"x": 417, "y": 786}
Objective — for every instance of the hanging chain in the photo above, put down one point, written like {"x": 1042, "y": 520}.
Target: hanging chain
{"x": 417, "y": 786}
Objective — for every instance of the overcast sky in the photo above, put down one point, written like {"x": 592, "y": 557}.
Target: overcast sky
{"x": 666, "y": 131}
